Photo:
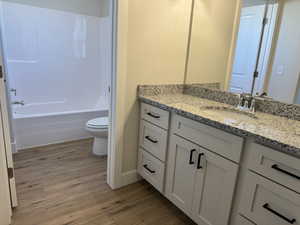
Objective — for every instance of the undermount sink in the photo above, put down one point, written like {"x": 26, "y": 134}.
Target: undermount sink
{"x": 228, "y": 111}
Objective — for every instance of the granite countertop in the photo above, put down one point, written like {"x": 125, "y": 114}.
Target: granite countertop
{"x": 274, "y": 131}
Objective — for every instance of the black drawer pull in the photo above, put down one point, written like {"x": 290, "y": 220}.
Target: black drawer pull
{"x": 276, "y": 167}
{"x": 191, "y": 157}
{"x": 267, "y": 207}
{"x": 152, "y": 115}
{"x": 147, "y": 168}
{"x": 150, "y": 139}
{"x": 199, "y": 161}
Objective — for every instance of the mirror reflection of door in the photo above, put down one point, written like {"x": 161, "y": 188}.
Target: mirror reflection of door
{"x": 254, "y": 46}
{"x": 247, "y": 48}
{"x": 283, "y": 83}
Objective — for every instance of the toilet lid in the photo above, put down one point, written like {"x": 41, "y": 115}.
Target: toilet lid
{"x": 101, "y": 122}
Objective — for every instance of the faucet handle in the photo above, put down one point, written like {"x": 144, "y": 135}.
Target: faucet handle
{"x": 252, "y": 106}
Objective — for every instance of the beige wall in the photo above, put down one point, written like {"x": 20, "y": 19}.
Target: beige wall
{"x": 283, "y": 87}
{"x": 156, "y": 38}
{"x": 211, "y": 40}
{"x": 5, "y": 204}
{"x": 98, "y": 8}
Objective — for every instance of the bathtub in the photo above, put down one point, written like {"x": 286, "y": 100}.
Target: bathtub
{"x": 44, "y": 124}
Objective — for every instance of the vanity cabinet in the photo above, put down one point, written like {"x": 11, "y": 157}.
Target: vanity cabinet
{"x": 199, "y": 181}
{"x": 266, "y": 202}
{"x": 215, "y": 177}
{"x": 271, "y": 187}
{"x": 282, "y": 168}
{"x": 181, "y": 173}
{"x": 195, "y": 166}
{"x": 153, "y": 139}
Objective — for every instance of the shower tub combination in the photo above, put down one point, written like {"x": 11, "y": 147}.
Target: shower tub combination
{"x": 63, "y": 81}
{"x": 38, "y": 125}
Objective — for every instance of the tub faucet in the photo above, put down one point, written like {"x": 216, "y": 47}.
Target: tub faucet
{"x": 18, "y": 103}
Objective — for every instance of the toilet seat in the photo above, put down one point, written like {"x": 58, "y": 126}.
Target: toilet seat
{"x": 98, "y": 123}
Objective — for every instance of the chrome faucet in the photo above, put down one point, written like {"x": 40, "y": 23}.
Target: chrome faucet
{"x": 18, "y": 103}
{"x": 246, "y": 103}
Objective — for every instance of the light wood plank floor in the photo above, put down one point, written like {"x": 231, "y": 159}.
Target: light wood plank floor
{"x": 64, "y": 184}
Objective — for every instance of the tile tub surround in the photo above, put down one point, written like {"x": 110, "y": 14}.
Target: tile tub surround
{"x": 277, "y": 132}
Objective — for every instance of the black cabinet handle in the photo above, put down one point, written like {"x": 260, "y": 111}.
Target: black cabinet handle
{"x": 191, "y": 157}
{"x": 199, "y": 161}
{"x": 147, "y": 168}
{"x": 152, "y": 115}
{"x": 150, "y": 139}
{"x": 267, "y": 207}
{"x": 276, "y": 167}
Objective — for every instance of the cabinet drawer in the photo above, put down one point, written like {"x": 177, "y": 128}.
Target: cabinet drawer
{"x": 220, "y": 142}
{"x": 155, "y": 115}
{"x": 243, "y": 221}
{"x": 151, "y": 169}
{"x": 268, "y": 203}
{"x": 275, "y": 165}
{"x": 153, "y": 139}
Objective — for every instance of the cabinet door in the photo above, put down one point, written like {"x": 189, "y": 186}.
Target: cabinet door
{"x": 181, "y": 171}
{"x": 214, "y": 189}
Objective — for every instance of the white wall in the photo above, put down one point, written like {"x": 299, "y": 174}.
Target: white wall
{"x": 98, "y": 8}
{"x": 57, "y": 57}
{"x": 285, "y": 70}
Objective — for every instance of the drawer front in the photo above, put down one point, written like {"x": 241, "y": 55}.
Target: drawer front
{"x": 218, "y": 141}
{"x": 153, "y": 139}
{"x": 243, "y": 221}
{"x": 275, "y": 165}
{"x": 268, "y": 203}
{"x": 155, "y": 115}
{"x": 152, "y": 170}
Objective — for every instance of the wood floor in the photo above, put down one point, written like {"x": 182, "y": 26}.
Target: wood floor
{"x": 65, "y": 185}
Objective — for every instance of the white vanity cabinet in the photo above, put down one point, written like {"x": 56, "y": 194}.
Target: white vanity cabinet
{"x": 199, "y": 181}
{"x": 195, "y": 166}
{"x": 271, "y": 187}
{"x": 154, "y": 126}
{"x": 215, "y": 177}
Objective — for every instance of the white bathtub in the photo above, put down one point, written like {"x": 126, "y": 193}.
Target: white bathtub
{"x": 38, "y": 125}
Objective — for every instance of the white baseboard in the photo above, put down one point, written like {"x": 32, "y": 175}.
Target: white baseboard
{"x": 130, "y": 177}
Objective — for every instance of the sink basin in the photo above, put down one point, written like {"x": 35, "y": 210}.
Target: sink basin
{"x": 228, "y": 112}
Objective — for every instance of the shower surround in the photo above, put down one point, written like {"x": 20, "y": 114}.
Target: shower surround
{"x": 59, "y": 64}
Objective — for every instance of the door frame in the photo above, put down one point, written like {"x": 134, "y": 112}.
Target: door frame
{"x": 5, "y": 203}
{"x": 114, "y": 159}
{"x": 117, "y": 178}
{"x": 264, "y": 60}
{"x": 114, "y": 165}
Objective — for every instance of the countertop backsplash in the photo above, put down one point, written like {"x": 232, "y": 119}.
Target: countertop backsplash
{"x": 211, "y": 91}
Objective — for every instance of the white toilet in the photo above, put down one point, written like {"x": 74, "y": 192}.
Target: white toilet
{"x": 99, "y": 129}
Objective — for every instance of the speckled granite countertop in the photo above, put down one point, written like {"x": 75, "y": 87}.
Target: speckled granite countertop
{"x": 277, "y": 132}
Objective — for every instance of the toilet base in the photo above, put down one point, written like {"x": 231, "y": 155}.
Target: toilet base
{"x": 100, "y": 146}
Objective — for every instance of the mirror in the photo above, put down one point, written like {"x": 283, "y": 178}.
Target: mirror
{"x": 211, "y": 35}
{"x": 256, "y": 53}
